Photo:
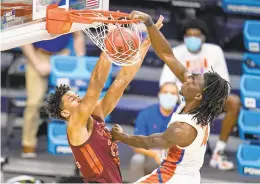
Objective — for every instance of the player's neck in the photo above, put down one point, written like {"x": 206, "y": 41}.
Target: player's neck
{"x": 165, "y": 112}
{"x": 190, "y": 105}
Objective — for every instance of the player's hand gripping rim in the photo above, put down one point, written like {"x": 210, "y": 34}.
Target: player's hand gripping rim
{"x": 159, "y": 25}
{"x": 143, "y": 17}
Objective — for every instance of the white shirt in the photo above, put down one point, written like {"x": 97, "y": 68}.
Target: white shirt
{"x": 210, "y": 56}
{"x": 188, "y": 159}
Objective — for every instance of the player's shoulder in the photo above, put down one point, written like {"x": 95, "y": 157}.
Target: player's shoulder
{"x": 210, "y": 47}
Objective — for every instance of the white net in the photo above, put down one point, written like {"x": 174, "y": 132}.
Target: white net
{"x": 124, "y": 51}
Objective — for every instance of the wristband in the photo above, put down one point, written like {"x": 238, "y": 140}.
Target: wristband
{"x": 149, "y": 22}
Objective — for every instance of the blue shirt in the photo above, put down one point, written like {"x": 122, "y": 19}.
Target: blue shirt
{"x": 151, "y": 120}
{"x": 54, "y": 45}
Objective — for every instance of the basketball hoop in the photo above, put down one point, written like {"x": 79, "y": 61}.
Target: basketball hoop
{"x": 113, "y": 32}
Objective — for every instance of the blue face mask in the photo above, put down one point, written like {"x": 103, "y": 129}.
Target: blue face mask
{"x": 168, "y": 100}
{"x": 193, "y": 43}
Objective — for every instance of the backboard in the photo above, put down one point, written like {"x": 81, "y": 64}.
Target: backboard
{"x": 23, "y": 21}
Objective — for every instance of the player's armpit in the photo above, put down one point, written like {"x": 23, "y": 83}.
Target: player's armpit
{"x": 98, "y": 111}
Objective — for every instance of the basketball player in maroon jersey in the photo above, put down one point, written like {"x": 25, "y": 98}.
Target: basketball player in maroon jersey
{"x": 94, "y": 151}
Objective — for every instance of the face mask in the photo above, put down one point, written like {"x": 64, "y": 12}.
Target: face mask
{"x": 168, "y": 100}
{"x": 193, "y": 43}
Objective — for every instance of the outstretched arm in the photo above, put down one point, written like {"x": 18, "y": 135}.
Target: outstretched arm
{"x": 124, "y": 77}
{"x": 89, "y": 101}
{"x": 161, "y": 46}
{"x": 179, "y": 133}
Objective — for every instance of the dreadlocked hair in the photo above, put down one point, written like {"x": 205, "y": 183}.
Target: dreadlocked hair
{"x": 54, "y": 101}
{"x": 214, "y": 94}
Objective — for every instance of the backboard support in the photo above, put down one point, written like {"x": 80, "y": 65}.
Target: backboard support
{"x": 34, "y": 29}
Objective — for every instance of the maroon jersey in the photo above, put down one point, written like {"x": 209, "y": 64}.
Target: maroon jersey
{"x": 97, "y": 158}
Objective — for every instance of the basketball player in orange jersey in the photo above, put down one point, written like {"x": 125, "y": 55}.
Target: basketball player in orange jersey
{"x": 94, "y": 151}
{"x": 186, "y": 137}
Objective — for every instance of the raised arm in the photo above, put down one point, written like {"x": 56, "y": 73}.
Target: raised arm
{"x": 116, "y": 90}
{"x": 89, "y": 101}
{"x": 179, "y": 133}
{"x": 161, "y": 46}
{"x": 124, "y": 77}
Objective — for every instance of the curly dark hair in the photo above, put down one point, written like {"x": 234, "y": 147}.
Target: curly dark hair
{"x": 54, "y": 102}
{"x": 214, "y": 94}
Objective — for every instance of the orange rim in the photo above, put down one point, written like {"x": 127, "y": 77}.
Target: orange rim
{"x": 59, "y": 21}
{"x": 90, "y": 16}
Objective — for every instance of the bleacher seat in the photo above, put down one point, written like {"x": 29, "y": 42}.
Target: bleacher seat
{"x": 248, "y": 159}
{"x": 248, "y": 156}
{"x": 75, "y": 72}
{"x": 250, "y": 91}
{"x": 252, "y": 35}
{"x": 57, "y": 138}
{"x": 243, "y": 7}
{"x": 251, "y": 64}
{"x": 249, "y": 125}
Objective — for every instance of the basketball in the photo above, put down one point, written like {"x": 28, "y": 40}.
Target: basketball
{"x": 121, "y": 43}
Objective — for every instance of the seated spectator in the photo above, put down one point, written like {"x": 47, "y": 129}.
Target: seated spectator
{"x": 153, "y": 119}
{"x": 199, "y": 57}
{"x": 36, "y": 77}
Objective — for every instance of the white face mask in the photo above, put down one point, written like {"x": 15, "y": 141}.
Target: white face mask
{"x": 168, "y": 100}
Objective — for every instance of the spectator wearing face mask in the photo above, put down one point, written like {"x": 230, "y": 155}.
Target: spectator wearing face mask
{"x": 153, "y": 119}
{"x": 199, "y": 57}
